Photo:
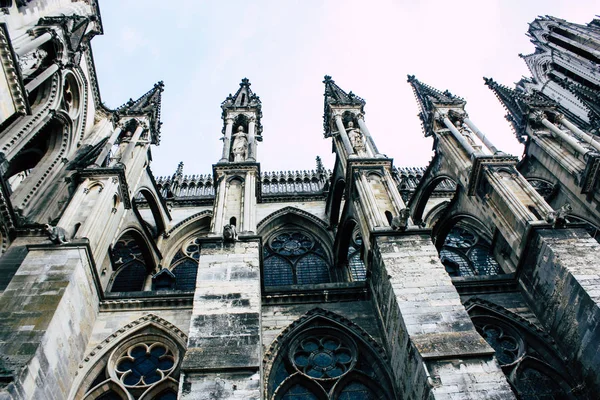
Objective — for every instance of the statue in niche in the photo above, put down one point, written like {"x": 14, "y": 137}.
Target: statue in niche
{"x": 240, "y": 145}
{"x": 356, "y": 139}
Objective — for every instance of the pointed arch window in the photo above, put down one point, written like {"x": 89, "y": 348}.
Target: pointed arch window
{"x": 465, "y": 253}
{"x": 294, "y": 257}
{"x": 130, "y": 264}
{"x": 184, "y": 265}
{"x": 144, "y": 367}
{"x": 533, "y": 367}
{"x": 321, "y": 359}
{"x": 358, "y": 270}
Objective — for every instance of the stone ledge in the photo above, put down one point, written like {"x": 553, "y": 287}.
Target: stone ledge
{"x": 450, "y": 345}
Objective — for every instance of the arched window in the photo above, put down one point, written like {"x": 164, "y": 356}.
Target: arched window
{"x": 130, "y": 264}
{"x": 465, "y": 253}
{"x": 534, "y": 368}
{"x": 294, "y": 257}
{"x": 358, "y": 270}
{"x": 323, "y": 359}
{"x": 184, "y": 265}
{"x": 144, "y": 366}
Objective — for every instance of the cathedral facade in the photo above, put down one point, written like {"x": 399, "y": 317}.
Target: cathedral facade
{"x": 477, "y": 277}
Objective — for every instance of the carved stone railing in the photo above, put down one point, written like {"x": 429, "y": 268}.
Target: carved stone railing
{"x": 281, "y": 183}
{"x": 186, "y": 186}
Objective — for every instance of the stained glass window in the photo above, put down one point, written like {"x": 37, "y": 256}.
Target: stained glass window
{"x": 129, "y": 264}
{"x": 144, "y": 364}
{"x": 323, "y": 362}
{"x": 299, "y": 392}
{"x": 358, "y": 270}
{"x": 357, "y": 391}
{"x": 465, "y": 253}
{"x": 531, "y": 368}
{"x": 184, "y": 265}
{"x": 294, "y": 257}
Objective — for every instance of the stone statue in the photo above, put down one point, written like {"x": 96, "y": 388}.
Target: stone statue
{"x": 356, "y": 139}
{"x": 558, "y": 217}
{"x": 56, "y": 234}
{"x": 240, "y": 145}
{"x": 400, "y": 222}
{"x": 229, "y": 233}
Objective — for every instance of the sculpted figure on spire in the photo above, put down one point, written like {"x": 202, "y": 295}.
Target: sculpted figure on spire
{"x": 240, "y": 145}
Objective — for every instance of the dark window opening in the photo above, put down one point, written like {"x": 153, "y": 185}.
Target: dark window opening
{"x": 294, "y": 257}
{"x": 465, "y": 253}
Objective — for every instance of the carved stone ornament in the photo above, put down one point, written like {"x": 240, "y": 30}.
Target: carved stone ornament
{"x": 229, "y": 233}
{"x": 56, "y": 234}
{"x": 558, "y": 217}
{"x": 400, "y": 222}
{"x": 240, "y": 145}
{"x": 356, "y": 139}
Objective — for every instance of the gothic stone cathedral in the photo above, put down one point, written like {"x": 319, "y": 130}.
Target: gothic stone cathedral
{"x": 477, "y": 277}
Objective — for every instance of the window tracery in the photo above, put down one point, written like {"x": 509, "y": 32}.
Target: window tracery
{"x": 532, "y": 368}
{"x": 184, "y": 264}
{"x": 465, "y": 253}
{"x": 324, "y": 361}
{"x": 129, "y": 264}
{"x": 145, "y": 367}
{"x": 358, "y": 270}
{"x": 294, "y": 257}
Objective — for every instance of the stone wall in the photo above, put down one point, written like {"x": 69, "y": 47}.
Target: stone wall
{"x": 561, "y": 279}
{"x": 46, "y": 317}
{"x": 223, "y": 356}
{"x": 432, "y": 342}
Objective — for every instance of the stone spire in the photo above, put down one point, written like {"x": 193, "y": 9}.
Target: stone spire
{"x": 242, "y": 129}
{"x": 147, "y": 105}
{"x": 336, "y": 97}
{"x": 589, "y": 98}
{"x": 518, "y": 104}
{"x": 430, "y": 99}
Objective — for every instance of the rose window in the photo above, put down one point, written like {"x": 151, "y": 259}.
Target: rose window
{"x": 192, "y": 250}
{"x": 291, "y": 244}
{"x": 323, "y": 356}
{"x": 145, "y": 364}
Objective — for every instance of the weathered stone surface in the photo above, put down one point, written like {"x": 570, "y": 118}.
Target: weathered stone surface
{"x": 561, "y": 279}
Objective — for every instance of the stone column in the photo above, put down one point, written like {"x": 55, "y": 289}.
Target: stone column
{"x": 219, "y": 205}
{"x": 365, "y": 131}
{"x": 575, "y": 145}
{"x": 459, "y": 136}
{"x": 111, "y": 141}
{"x": 252, "y": 139}
{"x": 579, "y": 133}
{"x": 47, "y": 73}
{"x": 481, "y": 136}
{"x": 33, "y": 44}
{"x": 247, "y": 206}
{"x": 370, "y": 201}
{"x": 342, "y": 132}
{"x": 227, "y": 139}
{"x": 128, "y": 152}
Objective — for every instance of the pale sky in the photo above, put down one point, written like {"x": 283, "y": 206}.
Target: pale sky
{"x": 202, "y": 50}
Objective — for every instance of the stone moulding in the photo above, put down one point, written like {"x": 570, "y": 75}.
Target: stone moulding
{"x": 330, "y": 318}
{"x": 127, "y": 330}
{"x": 291, "y": 210}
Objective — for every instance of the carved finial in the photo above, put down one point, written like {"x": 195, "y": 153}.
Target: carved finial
{"x": 245, "y": 82}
